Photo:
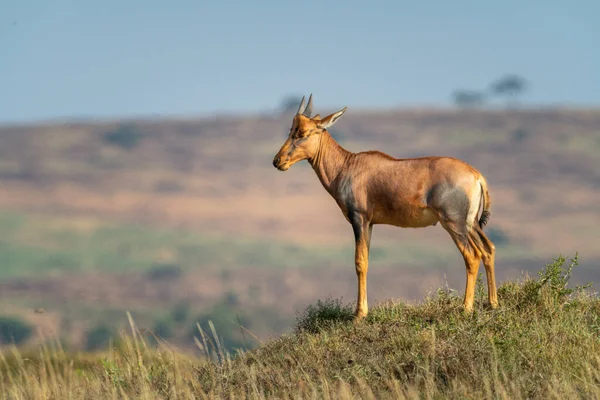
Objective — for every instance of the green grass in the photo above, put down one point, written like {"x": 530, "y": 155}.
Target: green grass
{"x": 542, "y": 343}
{"x": 586, "y": 144}
{"x": 33, "y": 244}
{"x": 40, "y": 244}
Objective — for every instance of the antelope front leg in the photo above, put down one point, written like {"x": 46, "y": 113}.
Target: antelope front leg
{"x": 362, "y": 235}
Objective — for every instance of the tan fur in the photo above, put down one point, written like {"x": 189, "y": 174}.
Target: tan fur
{"x": 372, "y": 188}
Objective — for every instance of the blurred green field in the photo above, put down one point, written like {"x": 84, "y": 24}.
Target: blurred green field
{"x": 158, "y": 217}
{"x": 87, "y": 272}
{"x": 36, "y": 245}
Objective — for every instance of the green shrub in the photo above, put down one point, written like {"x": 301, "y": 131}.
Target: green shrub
{"x": 320, "y": 316}
{"x": 550, "y": 289}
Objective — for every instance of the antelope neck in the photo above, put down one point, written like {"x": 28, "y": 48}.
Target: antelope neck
{"x": 329, "y": 160}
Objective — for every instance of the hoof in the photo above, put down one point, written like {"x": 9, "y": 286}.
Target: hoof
{"x": 358, "y": 318}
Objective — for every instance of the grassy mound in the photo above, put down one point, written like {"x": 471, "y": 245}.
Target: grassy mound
{"x": 543, "y": 342}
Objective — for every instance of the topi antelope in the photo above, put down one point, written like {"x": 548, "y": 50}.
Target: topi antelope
{"x": 372, "y": 187}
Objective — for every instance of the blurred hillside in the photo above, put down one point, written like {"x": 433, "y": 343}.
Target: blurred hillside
{"x": 182, "y": 220}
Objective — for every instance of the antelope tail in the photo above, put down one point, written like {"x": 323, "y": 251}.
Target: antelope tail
{"x": 487, "y": 203}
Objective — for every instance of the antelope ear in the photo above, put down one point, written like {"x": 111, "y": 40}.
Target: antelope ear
{"x": 331, "y": 119}
{"x": 317, "y": 117}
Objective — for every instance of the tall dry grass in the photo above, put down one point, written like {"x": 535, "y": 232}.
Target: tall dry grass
{"x": 543, "y": 343}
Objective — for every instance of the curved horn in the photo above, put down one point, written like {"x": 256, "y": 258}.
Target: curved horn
{"x": 309, "y": 106}
{"x": 302, "y": 106}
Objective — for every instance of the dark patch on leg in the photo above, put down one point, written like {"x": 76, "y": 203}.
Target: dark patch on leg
{"x": 346, "y": 195}
{"x": 357, "y": 224}
{"x": 346, "y": 200}
{"x": 452, "y": 200}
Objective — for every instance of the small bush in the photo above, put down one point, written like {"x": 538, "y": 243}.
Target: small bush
{"x": 498, "y": 237}
{"x": 320, "y": 316}
{"x": 163, "y": 329}
{"x": 124, "y": 136}
{"x": 14, "y": 330}
{"x": 547, "y": 293}
{"x": 555, "y": 276}
{"x": 520, "y": 135}
{"x": 180, "y": 312}
{"x": 164, "y": 272}
{"x": 99, "y": 337}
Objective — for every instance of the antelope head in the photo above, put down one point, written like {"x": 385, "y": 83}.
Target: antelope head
{"x": 304, "y": 139}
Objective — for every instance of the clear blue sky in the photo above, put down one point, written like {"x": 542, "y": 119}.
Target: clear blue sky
{"x": 80, "y": 58}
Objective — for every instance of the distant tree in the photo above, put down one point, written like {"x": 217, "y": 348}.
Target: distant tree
{"x": 510, "y": 86}
{"x": 468, "y": 98}
{"x": 125, "y": 136}
{"x": 290, "y": 104}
